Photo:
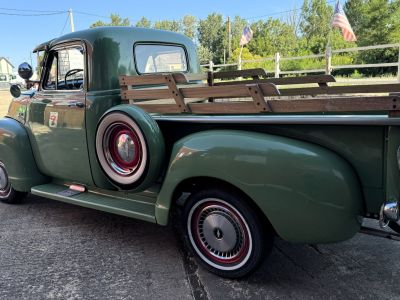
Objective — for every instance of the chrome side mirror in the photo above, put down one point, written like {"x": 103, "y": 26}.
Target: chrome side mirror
{"x": 25, "y": 71}
{"x": 15, "y": 90}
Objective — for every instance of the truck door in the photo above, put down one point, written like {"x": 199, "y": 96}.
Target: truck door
{"x": 57, "y": 116}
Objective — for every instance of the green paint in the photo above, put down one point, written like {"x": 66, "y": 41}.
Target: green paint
{"x": 16, "y": 154}
{"x": 308, "y": 193}
{"x": 313, "y": 182}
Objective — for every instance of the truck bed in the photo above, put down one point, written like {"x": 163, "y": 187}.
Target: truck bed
{"x": 231, "y": 93}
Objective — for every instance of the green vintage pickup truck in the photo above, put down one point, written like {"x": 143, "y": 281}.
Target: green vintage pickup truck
{"x": 122, "y": 120}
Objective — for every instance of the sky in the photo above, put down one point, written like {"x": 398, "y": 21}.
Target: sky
{"x": 20, "y": 34}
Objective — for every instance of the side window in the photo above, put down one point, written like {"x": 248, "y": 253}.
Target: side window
{"x": 160, "y": 58}
{"x": 51, "y": 81}
{"x": 65, "y": 69}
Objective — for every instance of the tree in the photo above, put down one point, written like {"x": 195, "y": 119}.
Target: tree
{"x": 204, "y": 54}
{"x": 212, "y": 35}
{"x": 168, "y": 25}
{"x": 189, "y": 24}
{"x": 143, "y": 22}
{"x": 116, "y": 20}
{"x": 273, "y": 36}
{"x": 375, "y": 22}
{"x": 247, "y": 55}
{"x": 237, "y": 27}
{"x": 315, "y": 25}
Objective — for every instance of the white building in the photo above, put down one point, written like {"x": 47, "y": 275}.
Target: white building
{"x": 6, "y": 67}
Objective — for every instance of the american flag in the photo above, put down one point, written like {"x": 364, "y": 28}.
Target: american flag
{"x": 340, "y": 20}
{"x": 246, "y": 36}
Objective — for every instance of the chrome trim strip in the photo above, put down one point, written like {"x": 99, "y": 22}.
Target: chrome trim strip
{"x": 282, "y": 119}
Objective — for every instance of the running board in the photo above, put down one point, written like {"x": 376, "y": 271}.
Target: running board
{"x": 380, "y": 233}
{"x": 134, "y": 208}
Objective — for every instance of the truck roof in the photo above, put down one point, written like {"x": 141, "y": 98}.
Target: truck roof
{"x": 111, "y": 50}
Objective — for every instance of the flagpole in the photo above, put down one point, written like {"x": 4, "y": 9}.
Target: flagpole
{"x": 328, "y": 50}
{"x": 328, "y": 45}
{"x": 240, "y": 58}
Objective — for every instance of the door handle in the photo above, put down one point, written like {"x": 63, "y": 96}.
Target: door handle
{"x": 80, "y": 104}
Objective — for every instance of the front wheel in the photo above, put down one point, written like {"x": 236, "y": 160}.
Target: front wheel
{"x": 7, "y": 193}
{"x": 226, "y": 233}
{"x": 394, "y": 226}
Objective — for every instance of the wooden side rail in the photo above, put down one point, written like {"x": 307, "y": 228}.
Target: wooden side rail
{"x": 255, "y": 91}
{"x": 257, "y": 95}
{"x": 152, "y": 79}
{"x": 257, "y": 75}
{"x": 254, "y": 73}
{"x": 352, "y": 104}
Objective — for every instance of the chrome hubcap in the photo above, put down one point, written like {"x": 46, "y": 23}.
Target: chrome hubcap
{"x": 219, "y": 232}
{"x": 125, "y": 148}
{"x": 3, "y": 179}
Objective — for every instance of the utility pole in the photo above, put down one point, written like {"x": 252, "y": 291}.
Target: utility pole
{"x": 229, "y": 37}
{"x": 71, "y": 20}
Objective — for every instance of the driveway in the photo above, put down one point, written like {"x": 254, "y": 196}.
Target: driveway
{"x": 55, "y": 250}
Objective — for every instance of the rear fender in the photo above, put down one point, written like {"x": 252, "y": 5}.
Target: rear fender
{"x": 17, "y": 156}
{"x": 308, "y": 193}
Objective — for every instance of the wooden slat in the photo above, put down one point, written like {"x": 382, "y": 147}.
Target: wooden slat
{"x": 351, "y": 89}
{"x": 240, "y": 73}
{"x": 286, "y": 81}
{"x": 237, "y": 91}
{"x": 146, "y": 94}
{"x": 258, "y": 98}
{"x": 150, "y": 79}
{"x": 352, "y": 104}
{"x": 176, "y": 93}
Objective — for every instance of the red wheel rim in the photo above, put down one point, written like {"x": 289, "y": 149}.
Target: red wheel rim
{"x": 113, "y": 137}
{"x": 239, "y": 248}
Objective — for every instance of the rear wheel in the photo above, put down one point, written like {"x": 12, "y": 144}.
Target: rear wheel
{"x": 225, "y": 233}
{"x": 7, "y": 193}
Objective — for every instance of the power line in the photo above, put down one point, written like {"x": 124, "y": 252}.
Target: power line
{"x": 65, "y": 24}
{"x": 32, "y": 15}
{"x": 280, "y": 12}
{"x": 32, "y": 10}
{"x": 90, "y": 14}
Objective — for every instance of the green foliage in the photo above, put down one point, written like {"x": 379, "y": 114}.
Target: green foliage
{"x": 116, "y": 20}
{"x": 236, "y": 31}
{"x": 273, "y": 36}
{"x": 204, "y": 54}
{"x": 316, "y": 16}
{"x": 247, "y": 55}
{"x": 144, "y": 23}
{"x": 168, "y": 25}
{"x": 212, "y": 35}
{"x": 189, "y": 26}
{"x": 373, "y": 21}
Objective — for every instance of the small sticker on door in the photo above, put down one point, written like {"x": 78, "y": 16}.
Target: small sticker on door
{"x": 53, "y": 120}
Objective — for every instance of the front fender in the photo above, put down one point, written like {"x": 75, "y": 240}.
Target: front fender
{"x": 17, "y": 156}
{"x": 308, "y": 193}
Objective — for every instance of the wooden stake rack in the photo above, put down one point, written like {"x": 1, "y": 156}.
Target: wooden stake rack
{"x": 258, "y": 94}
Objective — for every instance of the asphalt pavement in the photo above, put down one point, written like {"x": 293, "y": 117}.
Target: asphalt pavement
{"x": 53, "y": 250}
